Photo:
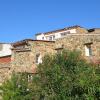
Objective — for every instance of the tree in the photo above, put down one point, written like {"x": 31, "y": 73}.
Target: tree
{"x": 64, "y": 76}
{"x": 67, "y": 76}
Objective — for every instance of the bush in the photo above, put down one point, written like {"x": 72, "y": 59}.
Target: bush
{"x": 65, "y": 76}
{"x": 17, "y": 88}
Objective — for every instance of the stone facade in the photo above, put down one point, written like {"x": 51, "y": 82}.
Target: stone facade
{"x": 24, "y": 54}
{"x": 5, "y": 61}
{"x": 79, "y": 42}
{"x": 5, "y": 65}
{"x": 4, "y": 71}
{"x": 28, "y": 53}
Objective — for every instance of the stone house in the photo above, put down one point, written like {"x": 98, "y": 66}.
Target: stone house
{"x": 87, "y": 44}
{"x": 26, "y": 54}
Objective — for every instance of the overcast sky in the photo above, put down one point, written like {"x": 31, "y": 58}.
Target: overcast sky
{"x": 21, "y": 19}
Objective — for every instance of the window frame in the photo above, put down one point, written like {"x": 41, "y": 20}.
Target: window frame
{"x": 38, "y": 58}
{"x": 88, "y": 49}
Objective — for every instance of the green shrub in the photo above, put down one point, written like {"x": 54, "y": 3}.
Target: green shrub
{"x": 65, "y": 76}
{"x": 17, "y": 88}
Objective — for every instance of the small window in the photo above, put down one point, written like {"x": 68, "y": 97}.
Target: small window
{"x": 88, "y": 50}
{"x": 38, "y": 59}
{"x": 50, "y": 38}
{"x": 20, "y": 47}
{"x": 53, "y": 37}
{"x": 30, "y": 77}
{"x": 59, "y": 51}
{"x": 65, "y": 33}
{"x": 42, "y": 38}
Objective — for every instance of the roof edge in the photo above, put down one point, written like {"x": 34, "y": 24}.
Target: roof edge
{"x": 26, "y": 40}
{"x": 66, "y": 28}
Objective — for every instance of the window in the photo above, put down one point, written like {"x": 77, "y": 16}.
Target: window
{"x": 30, "y": 77}
{"x": 38, "y": 59}
{"x": 42, "y": 38}
{"x": 59, "y": 51}
{"x": 52, "y": 37}
{"x": 88, "y": 50}
{"x": 65, "y": 33}
{"x": 20, "y": 47}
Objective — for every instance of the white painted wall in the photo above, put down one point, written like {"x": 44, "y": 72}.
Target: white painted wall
{"x": 6, "y": 50}
{"x": 40, "y": 37}
{"x": 56, "y": 34}
{"x": 50, "y": 35}
{"x": 72, "y": 31}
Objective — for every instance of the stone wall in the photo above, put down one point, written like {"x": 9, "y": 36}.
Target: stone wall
{"x": 80, "y": 30}
{"x": 21, "y": 61}
{"x": 25, "y": 60}
{"x": 4, "y": 71}
{"x": 78, "y": 42}
{"x": 5, "y": 74}
{"x": 24, "y": 53}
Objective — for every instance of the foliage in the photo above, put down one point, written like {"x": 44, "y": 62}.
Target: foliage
{"x": 17, "y": 88}
{"x": 67, "y": 76}
{"x": 64, "y": 76}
